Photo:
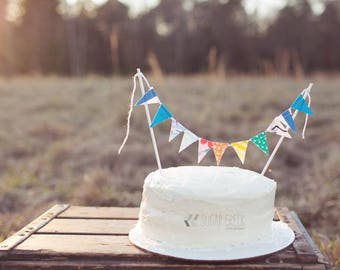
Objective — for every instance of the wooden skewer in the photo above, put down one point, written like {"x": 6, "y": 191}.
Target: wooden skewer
{"x": 282, "y": 137}
{"x": 147, "y": 112}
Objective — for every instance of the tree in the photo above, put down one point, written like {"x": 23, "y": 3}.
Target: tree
{"x": 290, "y": 40}
{"x": 327, "y": 54}
{"x": 109, "y": 20}
{"x": 6, "y": 50}
{"x": 41, "y": 38}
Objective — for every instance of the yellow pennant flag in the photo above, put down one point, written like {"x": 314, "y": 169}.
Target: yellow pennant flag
{"x": 240, "y": 149}
{"x": 219, "y": 149}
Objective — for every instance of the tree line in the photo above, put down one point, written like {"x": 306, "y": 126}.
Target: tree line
{"x": 211, "y": 36}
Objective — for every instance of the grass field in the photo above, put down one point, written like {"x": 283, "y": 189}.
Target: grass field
{"x": 59, "y": 139}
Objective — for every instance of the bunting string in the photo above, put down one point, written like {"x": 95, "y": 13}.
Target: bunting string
{"x": 129, "y": 114}
{"x": 280, "y": 125}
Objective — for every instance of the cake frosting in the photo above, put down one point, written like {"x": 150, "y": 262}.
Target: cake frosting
{"x": 206, "y": 207}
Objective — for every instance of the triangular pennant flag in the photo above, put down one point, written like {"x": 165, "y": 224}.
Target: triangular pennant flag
{"x": 219, "y": 149}
{"x": 188, "y": 139}
{"x": 161, "y": 115}
{"x": 260, "y": 140}
{"x": 279, "y": 127}
{"x": 240, "y": 149}
{"x": 289, "y": 119}
{"x": 301, "y": 105}
{"x": 204, "y": 147}
{"x": 150, "y": 97}
{"x": 176, "y": 128}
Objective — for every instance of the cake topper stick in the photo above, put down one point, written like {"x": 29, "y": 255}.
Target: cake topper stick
{"x": 147, "y": 112}
{"x": 305, "y": 93}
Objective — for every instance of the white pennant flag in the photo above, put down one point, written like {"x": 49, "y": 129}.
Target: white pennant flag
{"x": 279, "y": 126}
{"x": 176, "y": 128}
{"x": 188, "y": 139}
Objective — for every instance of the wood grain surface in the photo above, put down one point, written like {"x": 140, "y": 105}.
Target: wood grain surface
{"x": 81, "y": 237}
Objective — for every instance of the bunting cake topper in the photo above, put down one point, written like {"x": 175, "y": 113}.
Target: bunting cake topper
{"x": 281, "y": 125}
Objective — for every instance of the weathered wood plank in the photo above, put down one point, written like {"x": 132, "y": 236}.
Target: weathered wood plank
{"x": 101, "y": 212}
{"x": 107, "y": 212}
{"x": 89, "y": 226}
{"x": 314, "y": 267}
{"x": 285, "y": 216}
{"x": 297, "y": 221}
{"x": 44, "y": 255}
{"x": 79, "y": 244}
{"x": 69, "y": 247}
{"x": 305, "y": 252}
{"x": 35, "y": 225}
{"x": 105, "y": 265}
{"x": 96, "y": 237}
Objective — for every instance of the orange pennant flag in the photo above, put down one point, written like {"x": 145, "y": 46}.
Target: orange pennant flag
{"x": 219, "y": 149}
{"x": 240, "y": 149}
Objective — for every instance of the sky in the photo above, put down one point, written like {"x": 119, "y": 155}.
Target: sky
{"x": 264, "y": 8}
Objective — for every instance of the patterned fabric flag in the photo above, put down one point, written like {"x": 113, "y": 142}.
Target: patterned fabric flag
{"x": 240, "y": 149}
{"x": 188, "y": 139}
{"x": 176, "y": 128}
{"x": 150, "y": 97}
{"x": 301, "y": 105}
{"x": 161, "y": 115}
{"x": 260, "y": 140}
{"x": 278, "y": 127}
{"x": 219, "y": 149}
{"x": 204, "y": 147}
{"x": 289, "y": 119}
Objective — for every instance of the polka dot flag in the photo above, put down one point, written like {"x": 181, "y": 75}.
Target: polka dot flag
{"x": 219, "y": 149}
{"x": 260, "y": 140}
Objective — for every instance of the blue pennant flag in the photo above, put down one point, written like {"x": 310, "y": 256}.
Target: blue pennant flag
{"x": 301, "y": 105}
{"x": 289, "y": 119}
{"x": 150, "y": 97}
{"x": 161, "y": 115}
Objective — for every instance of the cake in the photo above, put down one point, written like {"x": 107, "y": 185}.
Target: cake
{"x": 206, "y": 207}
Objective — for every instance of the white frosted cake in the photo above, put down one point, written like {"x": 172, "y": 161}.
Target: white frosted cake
{"x": 206, "y": 207}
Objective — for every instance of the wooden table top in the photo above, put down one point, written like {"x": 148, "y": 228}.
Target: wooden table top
{"x": 77, "y": 237}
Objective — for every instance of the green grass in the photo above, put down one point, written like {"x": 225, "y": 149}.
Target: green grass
{"x": 59, "y": 139}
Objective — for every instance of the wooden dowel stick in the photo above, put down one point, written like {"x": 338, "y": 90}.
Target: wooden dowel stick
{"x": 282, "y": 137}
{"x": 147, "y": 112}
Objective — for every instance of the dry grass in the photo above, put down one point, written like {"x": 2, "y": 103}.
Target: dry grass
{"x": 59, "y": 139}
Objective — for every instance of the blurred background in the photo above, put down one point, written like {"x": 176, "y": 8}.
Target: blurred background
{"x": 81, "y": 37}
{"x": 224, "y": 68}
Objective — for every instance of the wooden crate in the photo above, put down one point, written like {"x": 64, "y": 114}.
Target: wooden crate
{"x": 76, "y": 237}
